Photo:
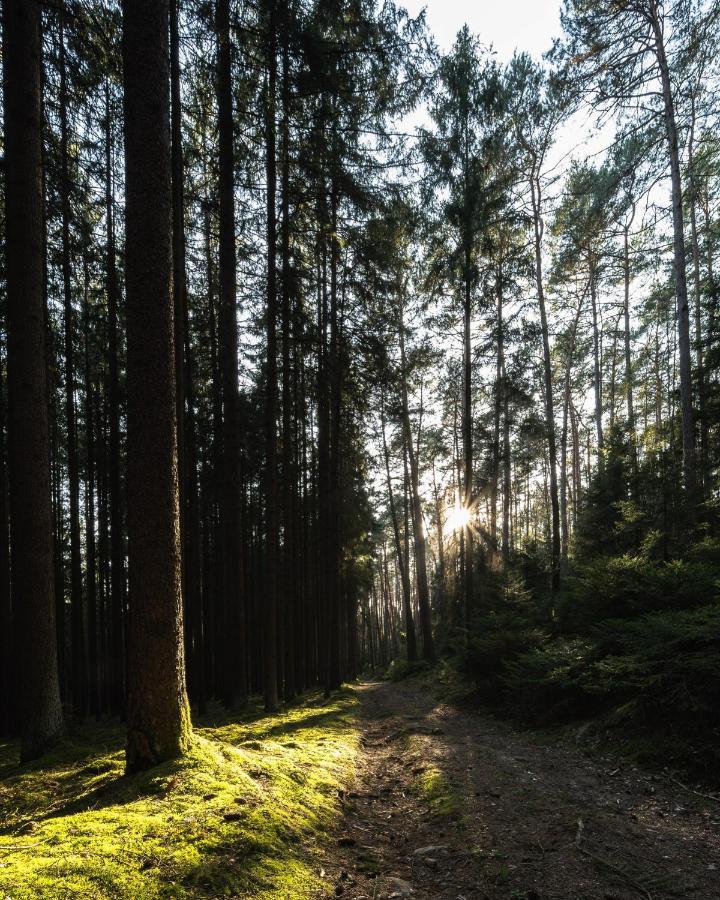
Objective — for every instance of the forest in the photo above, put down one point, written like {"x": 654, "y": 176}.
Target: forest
{"x": 359, "y": 452}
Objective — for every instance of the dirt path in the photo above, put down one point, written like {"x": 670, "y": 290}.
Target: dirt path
{"x": 456, "y": 805}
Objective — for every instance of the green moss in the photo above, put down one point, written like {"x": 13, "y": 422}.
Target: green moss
{"x": 245, "y": 812}
{"x": 430, "y": 782}
{"x": 436, "y": 789}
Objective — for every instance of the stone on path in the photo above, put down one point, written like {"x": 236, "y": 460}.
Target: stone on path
{"x": 398, "y": 887}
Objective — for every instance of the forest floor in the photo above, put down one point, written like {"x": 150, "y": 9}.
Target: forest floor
{"x": 244, "y": 814}
{"x": 380, "y": 791}
{"x": 451, "y": 804}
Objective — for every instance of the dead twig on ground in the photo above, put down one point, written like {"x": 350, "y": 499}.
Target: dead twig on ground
{"x": 692, "y": 791}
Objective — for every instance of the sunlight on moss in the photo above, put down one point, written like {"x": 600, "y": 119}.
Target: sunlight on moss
{"x": 435, "y": 788}
{"x": 431, "y": 783}
{"x": 244, "y": 813}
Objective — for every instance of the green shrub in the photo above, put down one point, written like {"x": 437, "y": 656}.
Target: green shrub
{"x": 668, "y": 663}
{"x": 545, "y": 684}
{"x": 629, "y": 586}
{"x": 400, "y": 669}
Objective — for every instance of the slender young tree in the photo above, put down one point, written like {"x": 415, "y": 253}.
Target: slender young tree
{"x": 233, "y": 632}
{"x": 272, "y": 522}
{"x": 116, "y": 640}
{"x": 537, "y": 114}
{"x": 616, "y": 53}
{"x": 417, "y": 513}
{"x": 76, "y": 589}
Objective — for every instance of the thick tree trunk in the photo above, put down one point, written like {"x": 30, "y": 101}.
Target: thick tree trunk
{"x": 180, "y": 302}
{"x": 7, "y": 698}
{"x": 41, "y": 720}
{"x": 157, "y": 706}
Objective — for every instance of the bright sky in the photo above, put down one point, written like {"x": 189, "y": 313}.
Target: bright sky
{"x": 506, "y": 24}
{"x": 509, "y": 25}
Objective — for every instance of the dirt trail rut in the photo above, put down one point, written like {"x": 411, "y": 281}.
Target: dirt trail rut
{"x": 456, "y": 805}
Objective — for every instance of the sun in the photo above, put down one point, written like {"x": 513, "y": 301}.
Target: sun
{"x": 458, "y": 518}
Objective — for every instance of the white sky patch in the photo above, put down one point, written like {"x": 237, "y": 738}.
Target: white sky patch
{"x": 527, "y": 25}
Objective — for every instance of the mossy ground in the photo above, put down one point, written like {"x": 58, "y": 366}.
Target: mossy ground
{"x": 73, "y": 825}
{"x": 431, "y": 783}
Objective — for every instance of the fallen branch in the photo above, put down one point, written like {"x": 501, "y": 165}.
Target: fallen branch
{"x": 691, "y": 791}
{"x": 12, "y": 848}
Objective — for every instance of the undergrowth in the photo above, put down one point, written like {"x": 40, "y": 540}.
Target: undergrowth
{"x": 242, "y": 815}
{"x": 631, "y": 643}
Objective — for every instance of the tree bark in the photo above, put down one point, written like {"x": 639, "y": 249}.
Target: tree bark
{"x": 41, "y": 720}
{"x": 180, "y": 302}
{"x": 628, "y": 352}
{"x": 701, "y": 462}
{"x": 117, "y": 553}
{"x": 681, "y": 294}
{"x": 538, "y": 228}
{"x": 77, "y": 631}
{"x": 93, "y": 668}
{"x": 157, "y": 705}
{"x": 402, "y": 559}
{"x": 597, "y": 369}
{"x": 289, "y": 581}
{"x": 270, "y": 605}
{"x": 567, "y": 400}
{"x": 421, "y": 578}
{"x": 7, "y": 694}
{"x": 235, "y": 688}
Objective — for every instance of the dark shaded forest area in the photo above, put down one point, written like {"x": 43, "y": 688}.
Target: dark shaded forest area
{"x": 329, "y": 356}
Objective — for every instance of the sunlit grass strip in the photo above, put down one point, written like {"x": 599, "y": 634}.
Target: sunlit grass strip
{"x": 245, "y": 813}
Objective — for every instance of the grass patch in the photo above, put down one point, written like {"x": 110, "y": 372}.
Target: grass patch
{"x": 244, "y": 813}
